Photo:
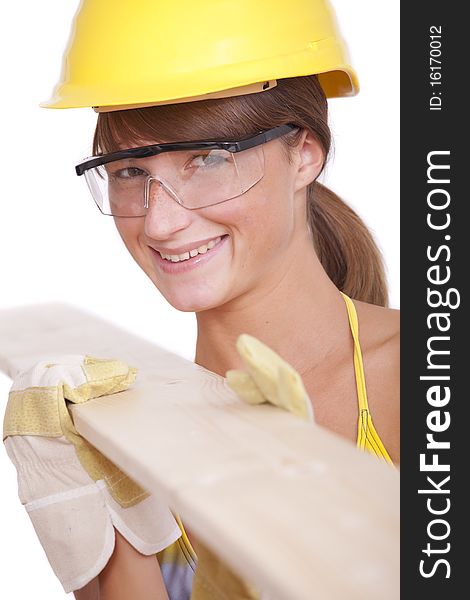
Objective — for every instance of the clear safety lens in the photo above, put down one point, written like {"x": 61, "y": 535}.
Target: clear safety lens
{"x": 193, "y": 178}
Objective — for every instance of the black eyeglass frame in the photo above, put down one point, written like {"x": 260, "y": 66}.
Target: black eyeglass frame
{"x": 145, "y": 151}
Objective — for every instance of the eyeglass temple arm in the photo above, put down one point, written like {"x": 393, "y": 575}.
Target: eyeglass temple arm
{"x": 261, "y": 138}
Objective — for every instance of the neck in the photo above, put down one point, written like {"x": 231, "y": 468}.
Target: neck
{"x": 296, "y": 310}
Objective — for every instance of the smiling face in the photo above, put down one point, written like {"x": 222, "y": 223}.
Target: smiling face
{"x": 243, "y": 242}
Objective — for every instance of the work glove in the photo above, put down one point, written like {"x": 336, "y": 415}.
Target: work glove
{"x": 267, "y": 378}
{"x": 73, "y": 494}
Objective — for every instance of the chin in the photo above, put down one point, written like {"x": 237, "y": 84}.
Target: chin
{"x": 192, "y": 302}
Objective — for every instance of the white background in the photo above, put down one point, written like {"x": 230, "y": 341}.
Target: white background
{"x": 54, "y": 244}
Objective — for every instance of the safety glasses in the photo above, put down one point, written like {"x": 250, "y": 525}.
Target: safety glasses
{"x": 195, "y": 174}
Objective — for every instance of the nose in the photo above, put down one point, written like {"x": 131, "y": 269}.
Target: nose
{"x": 164, "y": 214}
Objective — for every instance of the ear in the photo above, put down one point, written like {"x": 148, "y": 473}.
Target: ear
{"x": 309, "y": 160}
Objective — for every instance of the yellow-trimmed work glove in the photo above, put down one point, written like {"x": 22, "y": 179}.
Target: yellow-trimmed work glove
{"x": 73, "y": 494}
{"x": 268, "y": 378}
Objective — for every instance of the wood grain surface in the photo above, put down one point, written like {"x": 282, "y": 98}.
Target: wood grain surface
{"x": 293, "y": 508}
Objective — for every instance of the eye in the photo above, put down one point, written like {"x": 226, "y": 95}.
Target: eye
{"x": 129, "y": 173}
{"x": 211, "y": 159}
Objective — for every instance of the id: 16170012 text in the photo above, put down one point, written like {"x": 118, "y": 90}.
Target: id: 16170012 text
{"x": 435, "y": 67}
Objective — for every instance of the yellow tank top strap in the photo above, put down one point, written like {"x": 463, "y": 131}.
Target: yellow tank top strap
{"x": 187, "y": 547}
{"x": 367, "y": 437}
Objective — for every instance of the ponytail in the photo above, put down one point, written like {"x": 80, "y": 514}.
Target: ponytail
{"x": 345, "y": 247}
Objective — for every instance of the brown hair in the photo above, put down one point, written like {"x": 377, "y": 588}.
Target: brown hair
{"x": 342, "y": 241}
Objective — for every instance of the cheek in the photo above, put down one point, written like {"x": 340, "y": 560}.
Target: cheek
{"x": 129, "y": 230}
{"x": 260, "y": 223}
{"x": 268, "y": 217}
{"x": 267, "y": 205}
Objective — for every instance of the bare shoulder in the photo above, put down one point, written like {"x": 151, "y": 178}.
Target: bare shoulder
{"x": 379, "y": 326}
{"x": 379, "y": 333}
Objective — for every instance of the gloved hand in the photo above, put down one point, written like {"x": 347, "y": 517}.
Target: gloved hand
{"x": 268, "y": 378}
{"x": 73, "y": 494}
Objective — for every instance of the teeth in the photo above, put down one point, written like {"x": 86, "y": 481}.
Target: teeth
{"x": 186, "y": 255}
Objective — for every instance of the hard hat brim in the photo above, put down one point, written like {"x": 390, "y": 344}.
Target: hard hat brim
{"x": 338, "y": 79}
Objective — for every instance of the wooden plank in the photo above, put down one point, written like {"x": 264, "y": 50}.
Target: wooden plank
{"x": 290, "y": 506}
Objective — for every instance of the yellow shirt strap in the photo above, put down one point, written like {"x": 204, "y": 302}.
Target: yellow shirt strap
{"x": 367, "y": 437}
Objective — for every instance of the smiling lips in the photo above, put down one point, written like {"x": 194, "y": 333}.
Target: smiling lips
{"x": 191, "y": 253}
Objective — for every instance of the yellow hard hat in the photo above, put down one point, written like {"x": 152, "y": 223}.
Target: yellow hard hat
{"x": 130, "y": 53}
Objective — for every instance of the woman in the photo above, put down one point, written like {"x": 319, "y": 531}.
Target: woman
{"x": 243, "y": 235}
{"x": 282, "y": 251}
